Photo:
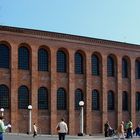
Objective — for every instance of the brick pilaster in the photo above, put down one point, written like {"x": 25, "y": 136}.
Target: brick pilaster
{"x": 71, "y": 110}
{"x": 104, "y": 90}
{"x": 53, "y": 90}
{"x": 14, "y": 87}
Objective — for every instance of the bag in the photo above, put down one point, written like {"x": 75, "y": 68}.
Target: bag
{"x": 58, "y": 128}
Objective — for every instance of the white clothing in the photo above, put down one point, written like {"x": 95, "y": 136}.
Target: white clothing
{"x": 63, "y": 127}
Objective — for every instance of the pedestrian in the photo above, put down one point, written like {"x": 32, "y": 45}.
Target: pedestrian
{"x": 121, "y": 130}
{"x": 106, "y": 128}
{"x": 62, "y": 129}
{"x": 3, "y": 127}
{"x": 137, "y": 130}
{"x": 35, "y": 130}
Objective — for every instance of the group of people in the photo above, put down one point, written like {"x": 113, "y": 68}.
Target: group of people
{"x": 123, "y": 130}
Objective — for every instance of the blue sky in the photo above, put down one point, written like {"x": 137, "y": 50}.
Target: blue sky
{"x": 117, "y": 20}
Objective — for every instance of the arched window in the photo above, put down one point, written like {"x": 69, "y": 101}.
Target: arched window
{"x": 79, "y": 63}
{"x": 110, "y": 66}
{"x": 61, "y": 99}
{"x": 42, "y": 98}
{"x": 124, "y": 68}
{"x": 4, "y": 97}
{"x": 137, "y": 68}
{"x": 95, "y": 65}
{"x": 23, "y": 97}
{"x": 23, "y": 58}
{"x": 110, "y": 100}
{"x": 61, "y": 61}
{"x": 4, "y": 56}
{"x": 137, "y": 101}
{"x": 42, "y": 60}
{"x": 95, "y": 100}
{"x": 125, "y": 101}
{"x": 78, "y": 97}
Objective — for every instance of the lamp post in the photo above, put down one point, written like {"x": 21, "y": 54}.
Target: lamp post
{"x": 30, "y": 118}
{"x": 81, "y": 104}
{"x": 2, "y": 112}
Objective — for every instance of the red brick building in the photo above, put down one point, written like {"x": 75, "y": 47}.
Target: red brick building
{"x": 54, "y": 71}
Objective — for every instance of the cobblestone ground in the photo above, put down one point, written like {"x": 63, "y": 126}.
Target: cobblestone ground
{"x": 54, "y": 137}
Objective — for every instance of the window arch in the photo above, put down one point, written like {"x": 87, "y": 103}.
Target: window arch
{"x": 4, "y": 97}
{"x": 124, "y": 68}
{"x": 61, "y": 61}
{"x": 61, "y": 99}
{"x": 95, "y": 100}
{"x": 137, "y": 69}
{"x": 79, "y": 63}
{"x": 23, "y": 58}
{"x": 125, "y": 101}
{"x": 137, "y": 101}
{"x": 42, "y": 60}
{"x": 110, "y": 100}
{"x": 4, "y": 56}
{"x": 110, "y": 66}
{"x": 42, "y": 98}
{"x": 95, "y": 65}
{"x": 23, "y": 97}
{"x": 78, "y": 97}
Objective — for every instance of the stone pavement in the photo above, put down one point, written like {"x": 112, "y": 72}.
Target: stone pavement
{"x": 10, "y": 136}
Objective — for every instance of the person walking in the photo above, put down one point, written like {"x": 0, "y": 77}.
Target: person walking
{"x": 3, "y": 127}
{"x": 106, "y": 128}
{"x": 35, "y": 130}
{"x": 62, "y": 129}
{"x": 121, "y": 131}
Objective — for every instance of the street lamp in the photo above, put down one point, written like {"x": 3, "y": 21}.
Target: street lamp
{"x": 2, "y": 112}
{"x": 30, "y": 118}
{"x": 81, "y": 104}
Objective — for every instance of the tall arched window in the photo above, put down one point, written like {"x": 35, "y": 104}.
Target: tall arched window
{"x": 124, "y": 68}
{"x": 4, "y": 97}
{"x": 4, "y": 56}
{"x": 23, "y": 97}
{"x": 61, "y": 61}
{"x": 110, "y": 66}
{"x": 42, "y": 98}
{"x": 125, "y": 101}
{"x": 79, "y": 66}
{"x": 137, "y": 101}
{"x": 95, "y": 100}
{"x": 95, "y": 65}
{"x": 137, "y": 69}
{"x": 110, "y": 100}
{"x": 23, "y": 58}
{"x": 42, "y": 60}
{"x": 61, "y": 99}
{"x": 78, "y": 97}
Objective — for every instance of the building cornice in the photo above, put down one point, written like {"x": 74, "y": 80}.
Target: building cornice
{"x": 63, "y": 36}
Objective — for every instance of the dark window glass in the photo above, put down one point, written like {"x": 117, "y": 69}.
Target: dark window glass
{"x": 4, "y": 56}
{"x": 124, "y": 68}
{"x": 23, "y": 97}
{"x": 137, "y": 101}
{"x": 42, "y": 98}
{"x": 23, "y": 58}
{"x": 78, "y": 97}
{"x": 95, "y": 65}
{"x": 110, "y": 66}
{"x": 95, "y": 100}
{"x": 125, "y": 101}
{"x": 78, "y": 63}
{"x": 61, "y": 61}
{"x": 42, "y": 60}
{"x": 61, "y": 99}
{"x": 137, "y": 69}
{"x": 110, "y": 100}
{"x": 4, "y": 97}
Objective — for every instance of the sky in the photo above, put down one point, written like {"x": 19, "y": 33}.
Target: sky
{"x": 117, "y": 20}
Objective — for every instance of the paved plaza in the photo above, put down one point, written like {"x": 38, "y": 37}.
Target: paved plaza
{"x": 55, "y": 137}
